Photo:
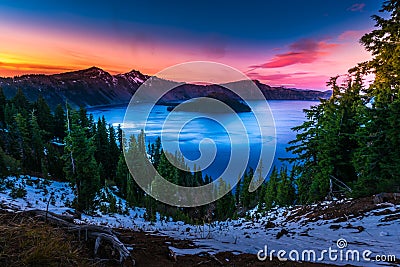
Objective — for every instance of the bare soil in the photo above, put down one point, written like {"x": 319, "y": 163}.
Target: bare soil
{"x": 27, "y": 241}
{"x": 342, "y": 211}
{"x": 151, "y": 249}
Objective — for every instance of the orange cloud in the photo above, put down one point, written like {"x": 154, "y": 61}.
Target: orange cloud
{"x": 27, "y": 49}
{"x": 32, "y": 67}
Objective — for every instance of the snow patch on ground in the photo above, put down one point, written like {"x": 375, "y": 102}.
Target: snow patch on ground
{"x": 272, "y": 229}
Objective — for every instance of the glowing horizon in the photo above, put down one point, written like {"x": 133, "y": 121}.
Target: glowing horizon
{"x": 36, "y": 42}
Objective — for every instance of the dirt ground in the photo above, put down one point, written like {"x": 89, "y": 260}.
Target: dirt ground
{"x": 152, "y": 250}
{"x": 27, "y": 241}
{"x": 342, "y": 211}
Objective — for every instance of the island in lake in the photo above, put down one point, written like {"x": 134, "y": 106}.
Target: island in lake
{"x": 210, "y": 106}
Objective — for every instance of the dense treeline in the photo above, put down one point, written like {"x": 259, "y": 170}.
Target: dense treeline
{"x": 349, "y": 144}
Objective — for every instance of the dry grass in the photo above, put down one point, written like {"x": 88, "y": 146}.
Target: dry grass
{"x": 25, "y": 241}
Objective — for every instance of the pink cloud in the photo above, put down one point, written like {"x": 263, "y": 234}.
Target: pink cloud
{"x": 356, "y": 7}
{"x": 306, "y": 80}
{"x": 351, "y": 35}
{"x": 302, "y": 51}
{"x": 274, "y": 77}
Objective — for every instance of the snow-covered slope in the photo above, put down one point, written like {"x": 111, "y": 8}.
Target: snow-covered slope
{"x": 300, "y": 228}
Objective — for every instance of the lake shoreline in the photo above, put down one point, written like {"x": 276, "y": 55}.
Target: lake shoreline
{"x": 287, "y": 114}
{"x": 173, "y": 103}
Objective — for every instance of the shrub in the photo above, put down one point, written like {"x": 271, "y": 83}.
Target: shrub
{"x": 18, "y": 192}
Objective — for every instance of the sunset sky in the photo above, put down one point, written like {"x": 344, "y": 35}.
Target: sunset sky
{"x": 291, "y": 43}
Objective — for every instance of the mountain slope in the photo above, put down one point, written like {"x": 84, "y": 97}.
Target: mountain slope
{"x": 95, "y": 87}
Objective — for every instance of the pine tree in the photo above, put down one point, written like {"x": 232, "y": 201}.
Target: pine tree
{"x": 325, "y": 144}
{"x": 113, "y": 153}
{"x": 3, "y": 102}
{"x": 285, "y": 195}
{"x": 80, "y": 165}
{"x": 225, "y": 206}
{"x": 134, "y": 193}
{"x": 55, "y": 162}
{"x": 246, "y": 198}
{"x": 59, "y": 123}
{"x": 383, "y": 43}
{"x": 10, "y": 111}
{"x": 167, "y": 170}
{"x": 376, "y": 160}
{"x": 23, "y": 143}
{"x": 37, "y": 144}
{"x": 157, "y": 152}
{"x": 83, "y": 118}
{"x": 120, "y": 138}
{"x": 8, "y": 165}
{"x": 238, "y": 191}
{"x": 198, "y": 177}
{"x": 11, "y": 140}
{"x": 20, "y": 102}
{"x": 122, "y": 174}
{"x": 44, "y": 117}
{"x": 102, "y": 145}
{"x": 271, "y": 189}
{"x": 206, "y": 179}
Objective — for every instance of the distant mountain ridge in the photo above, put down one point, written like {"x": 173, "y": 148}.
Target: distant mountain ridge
{"x": 96, "y": 87}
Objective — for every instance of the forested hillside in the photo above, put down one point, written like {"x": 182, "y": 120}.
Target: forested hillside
{"x": 349, "y": 144}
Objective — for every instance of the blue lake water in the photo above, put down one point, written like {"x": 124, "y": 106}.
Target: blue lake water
{"x": 287, "y": 114}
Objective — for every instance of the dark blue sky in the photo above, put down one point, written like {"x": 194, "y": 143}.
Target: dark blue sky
{"x": 288, "y": 42}
{"x": 252, "y": 21}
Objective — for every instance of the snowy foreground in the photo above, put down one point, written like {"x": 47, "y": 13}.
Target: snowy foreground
{"x": 370, "y": 234}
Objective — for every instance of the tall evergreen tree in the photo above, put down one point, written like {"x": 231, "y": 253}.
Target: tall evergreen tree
{"x": 3, "y": 102}
{"x": 133, "y": 192}
{"x": 325, "y": 145}
{"x": 37, "y": 144}
{"x": 225, "y": 206}
{"x": 120, "y": 138}
{"x": 271, "y": 189}
{"x": 8, "y": 165}
{"x": 10, "y": 111}
{"x": 247, "y": 198}
{"x": 23, "y": 143}
{"x": 44, "y": 117}
{"x": 80, "y": 165}
{"x": 286, "y": 193}
{"x": 54, "y": 161}
{"x": 20, "y": 102}
{"x": 83, "y": 118}
{"x": 112, "y": 153}
{"x": 102, "y": 146}
{"x": 238, "y": 191}
{"x": 376, "y": 160}
{"x": 122, "y": 175}
{"x": 59, "y": 123}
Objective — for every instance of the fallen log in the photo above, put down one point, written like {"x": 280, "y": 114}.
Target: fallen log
{"x": 116, "y": 243}
{"x": 101, "y": 235}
